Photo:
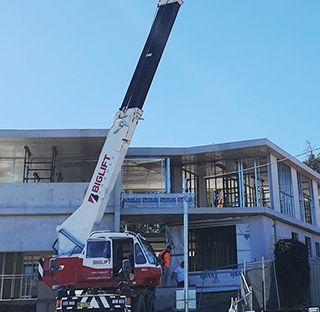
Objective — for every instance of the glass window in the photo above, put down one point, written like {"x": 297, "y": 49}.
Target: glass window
{"x": 222, "y": 184}
{"x": 254, "y": 186}
{"x": 144, "y": 175}
{"x": 98, "y": 249}
{"x": 285, "y": 189}
{"x": 140, "y": 258}
{"x": 294, "y": 236}
{"x": 308, "y": 245}
{"x": 317, "y": 249}
{"x": 238, "y": 183}
{"x": 192, "y": 182}
{"x": 306, "y": 198}
{"x": 152, "y": 258}
{"x": 154, "y": 233}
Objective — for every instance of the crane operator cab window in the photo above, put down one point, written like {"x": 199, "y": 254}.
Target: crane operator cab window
{"x": 99, "y": 249}
{"x": 122, "y": 249}
{"x": 138, "y": 255}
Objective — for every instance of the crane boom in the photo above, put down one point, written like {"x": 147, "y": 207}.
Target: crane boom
{"x": 74, "y": 231}
{"x": 151, "y": 54}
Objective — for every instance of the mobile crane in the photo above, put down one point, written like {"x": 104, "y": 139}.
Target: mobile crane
{"x": 90, "y": 265}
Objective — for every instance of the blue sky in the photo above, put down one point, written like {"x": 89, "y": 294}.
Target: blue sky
{"x": 232, "y": 70}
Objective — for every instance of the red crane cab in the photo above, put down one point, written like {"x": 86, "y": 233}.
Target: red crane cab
{"x": 99, "y": 265}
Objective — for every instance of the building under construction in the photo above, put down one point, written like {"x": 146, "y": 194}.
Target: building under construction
{"x": 244, "y": 196}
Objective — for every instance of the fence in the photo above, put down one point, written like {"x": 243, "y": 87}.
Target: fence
{"x": 314, "y": 282}
{"x": 258, "y": 288}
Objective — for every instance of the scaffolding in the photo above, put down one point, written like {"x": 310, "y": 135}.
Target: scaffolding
{"x": 42, "y": 168}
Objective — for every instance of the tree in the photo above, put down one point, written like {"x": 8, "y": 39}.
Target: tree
{"x": 293, "y": 273}
{"x": 312, "y": 160}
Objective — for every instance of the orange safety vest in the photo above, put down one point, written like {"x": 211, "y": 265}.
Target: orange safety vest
{"x": 165, "y": 256}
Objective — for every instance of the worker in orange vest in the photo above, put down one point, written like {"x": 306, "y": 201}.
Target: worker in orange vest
{"x": 164, "y": 259}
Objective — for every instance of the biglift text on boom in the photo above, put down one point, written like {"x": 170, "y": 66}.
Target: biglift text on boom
{"x": 94, "y": 197}
{"x": 89, "y": 260}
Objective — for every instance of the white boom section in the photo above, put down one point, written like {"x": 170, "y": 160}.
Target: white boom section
{"x": 165, "y": 2}
{"x": 76, "y": 229}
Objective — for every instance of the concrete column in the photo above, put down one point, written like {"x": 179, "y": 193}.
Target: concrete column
{"x": 316, "y": 212}
{"x": 202, "y": 192}
{"x": 168, "y": 175}
{"x": 111, "y": 219}
{"x": 274, "y": 183}
{"x": 46, "y": 298}
{"x": 295, "y": 190}
{"x": 241, "y": 182}
{"x": 176, "y": 180}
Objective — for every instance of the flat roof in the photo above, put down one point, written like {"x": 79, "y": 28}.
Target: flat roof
{"x": 87, "y": 143}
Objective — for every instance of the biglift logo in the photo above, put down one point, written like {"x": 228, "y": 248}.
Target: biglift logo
{"x": 94, "y": 197}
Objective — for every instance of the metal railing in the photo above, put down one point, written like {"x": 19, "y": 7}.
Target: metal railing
{"x": 18, "y": 286}
{"x": 155, "y": 200}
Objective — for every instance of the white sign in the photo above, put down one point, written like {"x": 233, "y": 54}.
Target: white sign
{"x": 192, "y": 299}
{"x": 215, "y": 280}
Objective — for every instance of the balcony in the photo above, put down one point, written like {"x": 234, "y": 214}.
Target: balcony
{"x": 18, "y": 286}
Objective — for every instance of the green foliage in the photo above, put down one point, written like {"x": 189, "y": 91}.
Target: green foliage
{"x": 146, "y": 229}
{"x": 312, "y": 160}
{"x": 293, "y": 272}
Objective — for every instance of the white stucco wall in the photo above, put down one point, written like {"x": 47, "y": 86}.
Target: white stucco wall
{"x": 265, "y": 231}
{"x": 262, "y": 237}
{"x": 284, "y": 230}
{"x": 243, "y": 240}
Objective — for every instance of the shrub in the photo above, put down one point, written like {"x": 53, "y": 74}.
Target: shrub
{"x": 293, "y": 272}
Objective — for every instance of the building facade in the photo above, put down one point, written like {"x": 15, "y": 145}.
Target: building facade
{"x": 243, "y": 197}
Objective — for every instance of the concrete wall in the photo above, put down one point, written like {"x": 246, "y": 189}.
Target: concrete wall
{"x": 30, "y": 212}
{"x": 51, "y": 198}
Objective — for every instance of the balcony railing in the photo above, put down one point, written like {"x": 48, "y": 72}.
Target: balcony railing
{"x": 18, "y": 286}
{"x": 156, "y": 200}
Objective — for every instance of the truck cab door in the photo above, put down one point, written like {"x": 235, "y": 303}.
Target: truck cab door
{"x": 122, "y": 248}
{"x": 97, "y": 256}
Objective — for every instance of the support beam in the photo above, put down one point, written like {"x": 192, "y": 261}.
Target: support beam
{"x": 274, "y": 183}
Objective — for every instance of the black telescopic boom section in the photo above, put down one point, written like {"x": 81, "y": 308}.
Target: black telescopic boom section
{"x": 150, "y": 56}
